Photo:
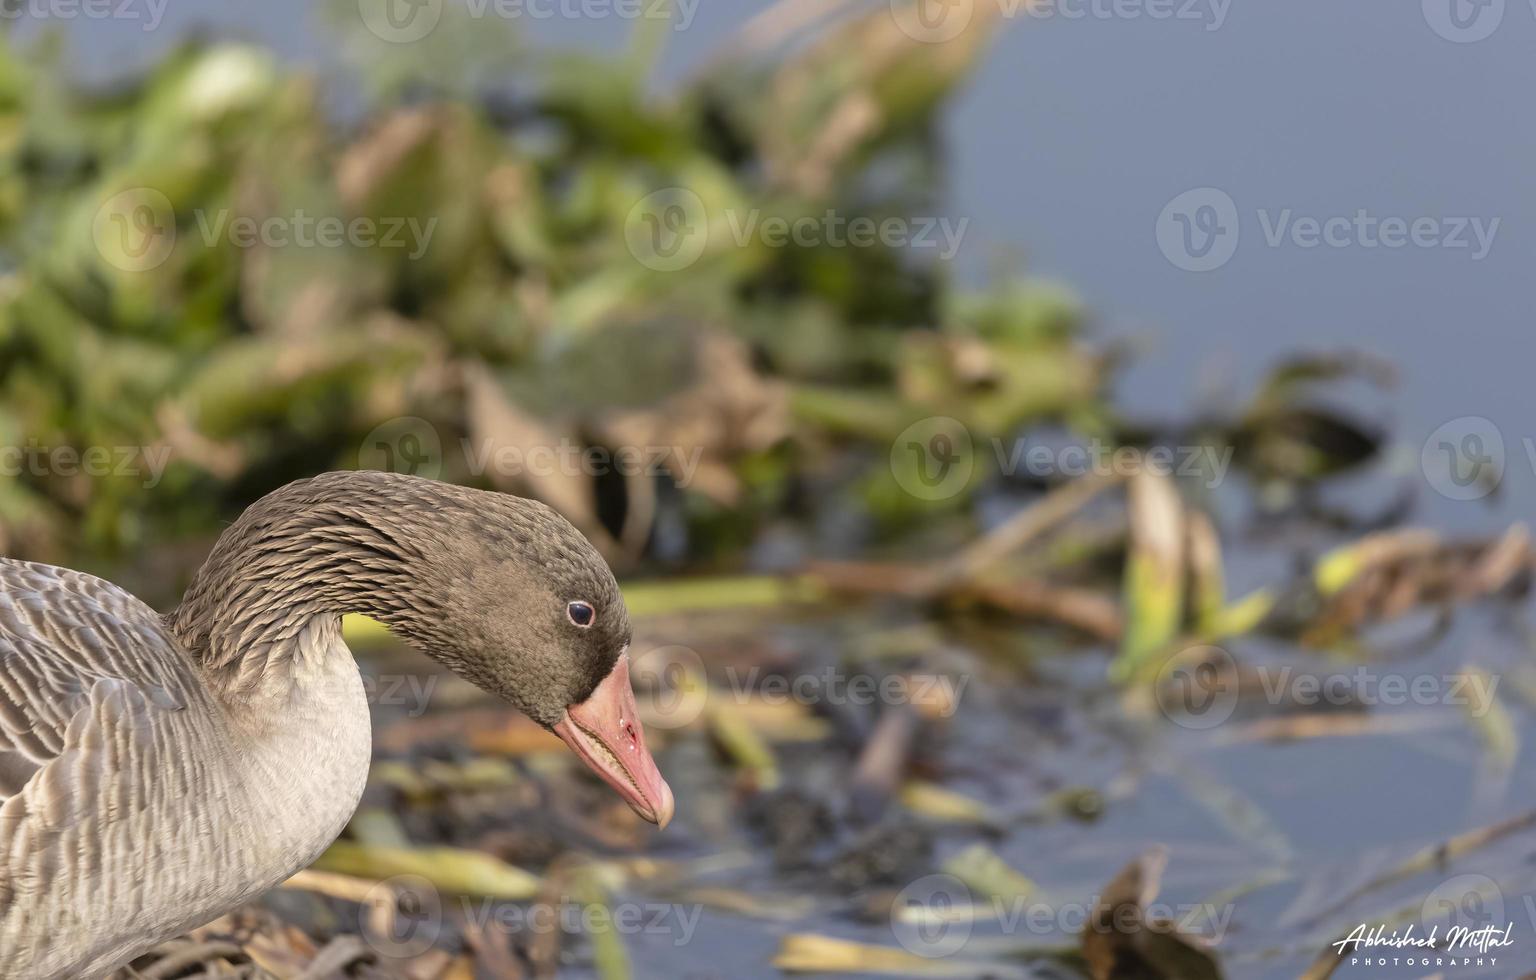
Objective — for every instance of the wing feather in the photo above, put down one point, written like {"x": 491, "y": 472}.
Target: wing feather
{"x": 93, "y": 692}
{"x": 85, "y": 671}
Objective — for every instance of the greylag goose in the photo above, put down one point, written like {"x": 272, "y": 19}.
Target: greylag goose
{"x": 158, "y": 771}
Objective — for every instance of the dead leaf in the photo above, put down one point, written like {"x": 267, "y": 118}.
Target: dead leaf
{"x": 1122, "y": 942}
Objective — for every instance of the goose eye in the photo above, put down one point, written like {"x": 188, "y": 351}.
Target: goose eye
{"x": 581, "y": 613}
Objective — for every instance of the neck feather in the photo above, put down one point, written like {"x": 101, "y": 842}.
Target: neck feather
{"x": 271, "y": 593}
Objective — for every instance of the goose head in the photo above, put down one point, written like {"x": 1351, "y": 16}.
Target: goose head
{"x": 527, "y": 609}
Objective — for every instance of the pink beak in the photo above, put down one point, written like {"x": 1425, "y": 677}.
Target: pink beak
{"x": 604, "y": 730}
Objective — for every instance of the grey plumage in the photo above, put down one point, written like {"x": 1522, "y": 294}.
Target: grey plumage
{"x": 157, "y": 771}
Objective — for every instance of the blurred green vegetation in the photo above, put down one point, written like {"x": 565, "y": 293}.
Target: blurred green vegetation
{"x": 226, "y": 274}
{"x": 524, "y": 310}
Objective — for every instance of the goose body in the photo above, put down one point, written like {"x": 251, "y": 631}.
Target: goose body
{"x": 158, "y": 771}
